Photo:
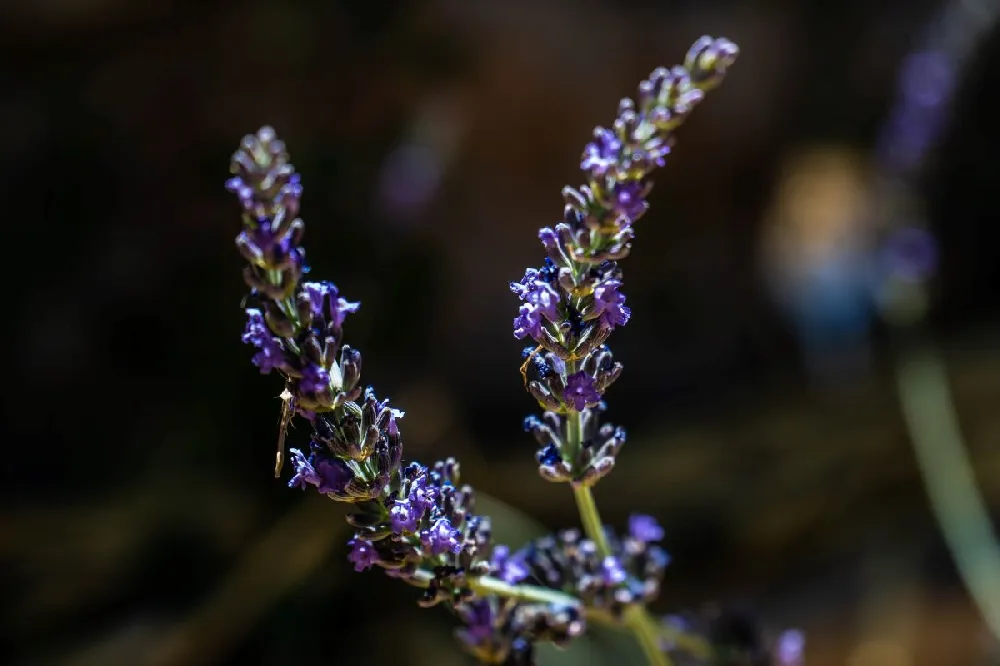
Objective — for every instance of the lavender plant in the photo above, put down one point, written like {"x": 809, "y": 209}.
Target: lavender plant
{"x": 418, "y": 522}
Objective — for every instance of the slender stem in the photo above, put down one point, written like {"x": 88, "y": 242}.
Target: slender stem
{"x": 485, "y": 585}
{"x": 645, "y": 629}
{"x": 955, "y": 498}
{"x": 488, "y": 585}
{"x": 574, "y": 428}
{"x": 591, "y": 519}
{"x": 691, "y": 643}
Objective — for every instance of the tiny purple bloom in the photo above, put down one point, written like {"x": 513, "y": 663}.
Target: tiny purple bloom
{"x": 243, "y": 192}
{"x": 628, "y": 200}
{"x": 601, "y": 154}
{"x": 479, "y": 619}
{"x": 910, "y": 254}
{"x": 290, "y": 195}
{"x": 392, "y": 428}
{"x": 315, "y": 379}
{"x": 328, "y": 475}
{"x": 791, "y": 648}
{"x": 422, "y": 495}
{"x": 549, "y": 238}
{"x": 644, "y": 528}
{"x": 441, "y": 538}
{"x": 580, "y": 391}
{"x": 325, "y": 300}
{"x": 363, "y": 554}
{"x": 510, "y": 569}
{"x": 609, "y": 302}
{"x": 612, "y": 571}
{"x": 403, "y": 516}
{"x": 528, "y": 322}
{"x": 534, "y": 289}
{"x": 269, "y": 354}
{"x": 334, "y": 475}
{"x": 305, "y": 473}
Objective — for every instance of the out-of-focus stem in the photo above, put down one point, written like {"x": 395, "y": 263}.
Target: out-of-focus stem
{"x": 688, "y": 642}
{"x": 948, "y": 476}
{"x": 647, "y": 631}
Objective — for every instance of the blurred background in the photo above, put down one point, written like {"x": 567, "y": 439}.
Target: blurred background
{"x": 141, "y": 524}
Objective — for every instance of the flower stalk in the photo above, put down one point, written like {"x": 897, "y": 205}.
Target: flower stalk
{"x": 571, "y": 305}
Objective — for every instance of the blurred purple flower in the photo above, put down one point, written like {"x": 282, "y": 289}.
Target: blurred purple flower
{"x": 644, "y": 528}
{"x": 363, "y": 554}
{"x": 910, "y": 254}
{"x": 581, "y": 391}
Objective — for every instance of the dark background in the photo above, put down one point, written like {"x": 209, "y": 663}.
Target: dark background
{"x": 141, "y": 523}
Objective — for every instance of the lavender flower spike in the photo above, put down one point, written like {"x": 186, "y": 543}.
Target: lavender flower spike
{"x": 570, "y": 306}
{"x": 414, "y": 522}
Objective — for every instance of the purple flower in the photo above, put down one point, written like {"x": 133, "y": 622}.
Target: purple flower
{"x": 580, "y": 391}
{"x": 510, "y": 569}
{"x": 305, "y": 473}
{"x": 334, "y": 475}
{"x": 602, "y": 154}
{"x": 290, "y": 195}
{"x": 270, "y": 354}
{"x": 549, "y": 238}
{"x": 629, "y": 201}
{"x": 910, "y": 254}
{"x": 791, "y": 648}
{"x": 315, "y": 379}
{"x": 363, "y": 554}
{"x": 441, "y": 538}
{"x": 536, "y": 290}
{"x": 393, "y": 428}
{"x": 325, "y": 302}
{"x": 479, "y": 618}
{"x": 328, "y": 475}
{"x": 422, "y": 494}
{"x": 612, "y": 572}
{"x": 528, "y": 322}
{"x": 404, "y": 517}
{"x": 609, "y": 304}
{"x": 644, "y": 528}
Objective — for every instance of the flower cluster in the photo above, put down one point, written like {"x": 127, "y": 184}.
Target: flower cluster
{"x": 501, "y": 631}
{"x": 631, "y": 574}
{"x": 573, "y": 302}
{"x": 413, "y": 521}
{"x": 297, "y": 327}
{"x": 418, "y": 523}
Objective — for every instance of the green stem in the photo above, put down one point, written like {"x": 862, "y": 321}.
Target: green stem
{"x": 647, "y": 632}
{"x": 487, "y": 585}
{"x": 645, "y": 629}
{"x": 956, "y": 501}
{"x": 591, "y": 519}
{"x": 691, "y": 643}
